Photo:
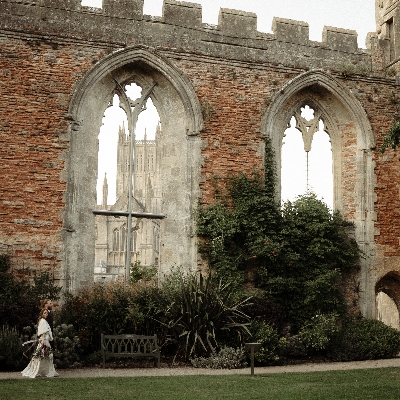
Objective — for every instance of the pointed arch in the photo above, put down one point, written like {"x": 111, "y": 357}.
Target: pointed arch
{"x": 387, "y": 310}
{"x": 352, "y": 138}
{"x": 181, "y": 121}
{"x": 142, "y": 57}
{"x": 316, "y": 81}
{"x": 336, "y": 105}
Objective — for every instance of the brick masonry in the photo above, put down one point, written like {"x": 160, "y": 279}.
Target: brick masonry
{"x": 232, "y": 73}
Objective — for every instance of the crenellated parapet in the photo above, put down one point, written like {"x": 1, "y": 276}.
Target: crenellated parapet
{"x": 340, "y": 39}
{"x": 237, "y": 23}
{"x": 182, "y": 14}
{"x": 179, "y": 13}
{"x": 121, "y": 23}
{"x": 287, "y": 30}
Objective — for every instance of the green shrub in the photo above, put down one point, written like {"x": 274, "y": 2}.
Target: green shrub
{"x": 139, "y": 272}
{"x": 11, "y": 350}
{"x": 102, "y": 308}
{"x": 67, "y": 348}
{"x": 315, "y": 251}
{"x": 20, "y": 297}
{"x": 263, "y": 309}
{"x": 297, "y": 253}
{"x": 94, "y": 358}
{"x": 272, "y": 346}
{"x": 365, "y": 339}
{"x": 144, "y": 309}
{"x": 226, "y": 358}
{"x": 318, "y": 332}
{"x": 198, "y": 311}
{"x": 295, "y": 348}
{"x": 391, "y": 138}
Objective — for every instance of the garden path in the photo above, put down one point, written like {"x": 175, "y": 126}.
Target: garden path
{"x": 166, "y": 370}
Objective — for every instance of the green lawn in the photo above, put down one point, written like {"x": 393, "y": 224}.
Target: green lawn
{"x": 356, "y": 384}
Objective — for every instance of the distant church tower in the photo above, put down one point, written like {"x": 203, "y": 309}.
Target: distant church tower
{"x": 111, "y": 237}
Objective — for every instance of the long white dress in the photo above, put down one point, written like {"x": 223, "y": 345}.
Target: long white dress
{"x": 42, "y": 366}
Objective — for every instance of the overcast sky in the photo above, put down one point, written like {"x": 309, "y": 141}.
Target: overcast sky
{"x": 358, "y": 15}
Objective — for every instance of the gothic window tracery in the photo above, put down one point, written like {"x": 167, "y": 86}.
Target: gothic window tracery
{"x": 115, "y": 240}
{"x": 123, "y": 238}
{"x": 307, "y": 156}
{"x": 144, "y": 180}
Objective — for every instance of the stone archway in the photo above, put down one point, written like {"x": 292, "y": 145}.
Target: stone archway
{"x": 387, "y": 292}
{"x": 181, "y": 119}
{"x": 352, "y": 141}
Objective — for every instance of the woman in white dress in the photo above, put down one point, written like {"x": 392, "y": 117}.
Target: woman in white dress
{"x": 41, "y": 363}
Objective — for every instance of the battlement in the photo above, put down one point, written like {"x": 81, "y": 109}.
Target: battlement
{"x": 340, "y": 39}
{"x": 287, "y": 30}
{"x": 237, "y": 23}
{"x": 231, "y": 23}
{"x": 182, "y": 13}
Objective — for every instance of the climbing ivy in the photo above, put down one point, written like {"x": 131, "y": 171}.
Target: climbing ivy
{"x": 237, "y": 232}
{"x": 296, "y": 253}
{"x": 392, "y": 137}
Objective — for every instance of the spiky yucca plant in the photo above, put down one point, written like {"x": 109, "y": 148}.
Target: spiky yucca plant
{"x": 198, "y": 311}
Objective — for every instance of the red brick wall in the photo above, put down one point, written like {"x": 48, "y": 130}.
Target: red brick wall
{"x": 37, "y": 81}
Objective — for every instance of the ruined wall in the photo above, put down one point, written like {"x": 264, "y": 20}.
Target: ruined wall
{"x": 235, "y": 80}
{"x": 36, "y": 84}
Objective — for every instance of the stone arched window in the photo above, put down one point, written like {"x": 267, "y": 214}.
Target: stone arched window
{"x": 181, "y": 118}
{"x": 306, "y": 157}
{"x": 115, "y": 241}
{"x": 123, "y": 237}
{"x": 388, "y": 299}
{"x": 352, "y": 142}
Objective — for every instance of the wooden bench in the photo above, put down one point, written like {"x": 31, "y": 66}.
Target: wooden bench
{"x": 130, "y": 346}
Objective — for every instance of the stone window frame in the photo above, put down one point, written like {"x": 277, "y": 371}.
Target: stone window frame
{"x": 182, "y": 120}
{"x": 115, "y": 240}
{"x": 306, "y": 89}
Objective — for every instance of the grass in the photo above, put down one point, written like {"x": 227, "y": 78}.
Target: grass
{"x": 374, "y": 384}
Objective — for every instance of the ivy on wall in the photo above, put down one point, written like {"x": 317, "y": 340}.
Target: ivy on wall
{"x": 392, "y": 137}
{"x": 296, "y": 253}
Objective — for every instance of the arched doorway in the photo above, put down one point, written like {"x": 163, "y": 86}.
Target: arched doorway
{"x": 352, "y": 141}
{"x": 388, "y": 299}
{"x": 181, "y": 119}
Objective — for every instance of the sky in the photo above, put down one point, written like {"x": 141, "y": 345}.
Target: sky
{"x": 358, "y": 15}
